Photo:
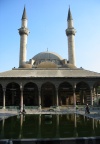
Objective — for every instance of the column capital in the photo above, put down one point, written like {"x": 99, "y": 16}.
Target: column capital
{"x": 56, "y": 86}
{"x": 74, "y": 86}
{"x": 91, "y": 87}
{"x": 4, "y": 88}
{"x": 21, "y": 86}
{"x": 39, "y": 88}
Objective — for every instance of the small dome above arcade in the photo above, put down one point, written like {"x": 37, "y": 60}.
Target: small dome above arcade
{"x": 47, "y": 64}
{"x": 70, "y": 66}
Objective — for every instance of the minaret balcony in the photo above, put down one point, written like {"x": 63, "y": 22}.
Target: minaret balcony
{"x": 23, "y": 30}
{"x": 70, "y": 31}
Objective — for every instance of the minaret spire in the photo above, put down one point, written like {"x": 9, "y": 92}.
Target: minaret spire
{"x": 70, "y": 32}
{"x": 69, "y": 15}
{"x": 24, "y": 16}
{"x": 23, "y": 31}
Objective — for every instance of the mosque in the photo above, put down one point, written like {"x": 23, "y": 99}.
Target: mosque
{"x": 47, "y": 79}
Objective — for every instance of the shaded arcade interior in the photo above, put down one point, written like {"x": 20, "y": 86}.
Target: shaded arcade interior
{"x": 48, "y": 94}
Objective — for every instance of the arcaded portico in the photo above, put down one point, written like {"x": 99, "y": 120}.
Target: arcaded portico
{"x": 47, "y": 79}
{"x": 56, "y": 91}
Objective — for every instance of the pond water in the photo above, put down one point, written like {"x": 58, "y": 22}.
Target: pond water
{"x": 48, "y": 126}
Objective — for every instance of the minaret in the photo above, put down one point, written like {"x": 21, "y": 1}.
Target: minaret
{"x": 23, "y": 31}
{"x": 70, "y": 32}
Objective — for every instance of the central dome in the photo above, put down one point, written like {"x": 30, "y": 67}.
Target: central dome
{"x": 47, "y": 55}
{"x": 52, "y": 58}
{"x": 49, "y": 60}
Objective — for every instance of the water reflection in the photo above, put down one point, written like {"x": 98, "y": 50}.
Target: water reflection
{"x": 55, "y": 126}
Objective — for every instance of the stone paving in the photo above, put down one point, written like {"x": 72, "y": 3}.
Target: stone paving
{"x": 93, "y": 113}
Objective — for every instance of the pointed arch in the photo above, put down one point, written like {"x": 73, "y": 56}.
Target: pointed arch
{"x": 48, "y": 94}
{"x": 65, "y": 94}
{"x": 30, "y": 94}
{"x": 1, "y": 95}
{"x": 83, "y": 94}
{"x": 12, "y": 94}
{"x": 96, "y": 88}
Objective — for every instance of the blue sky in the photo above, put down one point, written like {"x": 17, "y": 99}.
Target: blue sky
{"x": 47, "y": 22}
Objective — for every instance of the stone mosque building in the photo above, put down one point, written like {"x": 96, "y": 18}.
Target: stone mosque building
{"x": 47, "y": 79}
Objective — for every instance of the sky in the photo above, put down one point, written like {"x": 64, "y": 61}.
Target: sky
{"x": 47, "y": 22}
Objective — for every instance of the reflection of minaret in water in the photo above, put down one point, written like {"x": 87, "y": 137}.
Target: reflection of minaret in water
{"x": 23, "y": 31}
{"x": 70, "y": 32}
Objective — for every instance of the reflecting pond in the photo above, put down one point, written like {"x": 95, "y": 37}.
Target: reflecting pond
{"x": 48, "y": 126}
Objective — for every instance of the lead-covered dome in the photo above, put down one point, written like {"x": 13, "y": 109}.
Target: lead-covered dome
{"x": 43, "y": 57}
{"x": 47, "y": 55}
{"x": 50, "y": 60}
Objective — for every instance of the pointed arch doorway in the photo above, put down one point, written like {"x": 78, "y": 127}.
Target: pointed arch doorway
{"x": 30, "y": 94}
{"x": 65, "y": 94}
{"x": 48, "y": 95}
{"x": 12, "y": 94}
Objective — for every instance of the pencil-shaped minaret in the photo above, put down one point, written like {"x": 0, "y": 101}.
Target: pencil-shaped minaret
{"x": 23, "y": 31}
{"x": 70, "y": 32}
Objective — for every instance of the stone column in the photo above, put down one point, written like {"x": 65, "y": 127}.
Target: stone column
{"x": 39, "y": 98}
{"x": 74, "y": 95}
{"x": 96, "y": 93}
{"x": 95, "y": 96}
{"x": 21, "y": 99}
{"x": 4, "y": 90}
{"x": 91, "y": 96}
{"x": 57, "y": 101}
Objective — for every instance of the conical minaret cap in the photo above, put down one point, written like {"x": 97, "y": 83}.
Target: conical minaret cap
{"x": 69, "y": 15}
{"x": 24, "y": 16}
